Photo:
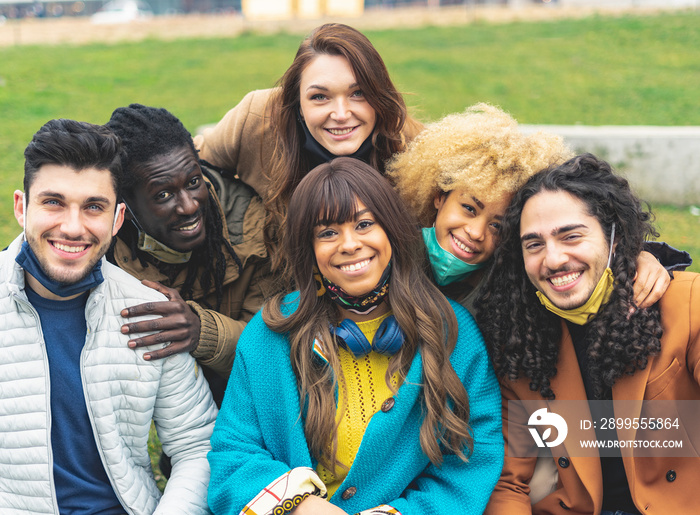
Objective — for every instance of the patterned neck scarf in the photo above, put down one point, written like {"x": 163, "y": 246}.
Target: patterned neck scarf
{"x": 362, "y": 304}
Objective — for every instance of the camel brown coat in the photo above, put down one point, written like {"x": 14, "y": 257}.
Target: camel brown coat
{"x": 243, "y": 141}
{"x": 659, "y": 486}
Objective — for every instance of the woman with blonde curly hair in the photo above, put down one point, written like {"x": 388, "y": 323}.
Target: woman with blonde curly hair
{"x": 459, "y": 175}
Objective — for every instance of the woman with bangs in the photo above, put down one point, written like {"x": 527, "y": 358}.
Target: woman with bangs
{"x": 458, "y": 177}
{"x": 366, "y": 391}
{"x": 335, "y": 99}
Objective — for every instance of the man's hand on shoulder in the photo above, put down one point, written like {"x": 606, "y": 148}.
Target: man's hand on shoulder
{"x": 651, "y": 282}
{"x": 178, "y": 324}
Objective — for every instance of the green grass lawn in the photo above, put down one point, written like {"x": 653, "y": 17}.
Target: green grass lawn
{"x": 598, "y": 71}
{"x": 680, "y": 228}
{"x": 154, "y": 449}
{"x": 629, "y": 70}
{"x": 618, "y": 71}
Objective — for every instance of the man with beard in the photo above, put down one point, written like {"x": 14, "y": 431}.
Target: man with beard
{"x": 192, "y": 234}
{"x": 559, "y": 318}
{"x": 77, "y": 402}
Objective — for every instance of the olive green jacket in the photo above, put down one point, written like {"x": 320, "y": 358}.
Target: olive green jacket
{"x": 244, "y": 290}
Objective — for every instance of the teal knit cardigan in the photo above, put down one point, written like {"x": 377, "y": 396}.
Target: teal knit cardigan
{"x": 259, "y": 434}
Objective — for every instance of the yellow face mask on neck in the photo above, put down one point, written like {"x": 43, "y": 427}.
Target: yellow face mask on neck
{"x": 599, "y": 297}
{"x": 583, "y": 314}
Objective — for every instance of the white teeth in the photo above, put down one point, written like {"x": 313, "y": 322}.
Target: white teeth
{"x": 188, "y": 227}
{"x": 564, "y": 279}
{"x": 463, "y": 246}
{"x": 67, "y": 248}
{"x": 355, "y": 266}
{"x": 340, "y": 132}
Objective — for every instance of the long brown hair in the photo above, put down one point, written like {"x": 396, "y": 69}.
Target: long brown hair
{"x": 289, "y": 163}
{"x": 330, "y": 193}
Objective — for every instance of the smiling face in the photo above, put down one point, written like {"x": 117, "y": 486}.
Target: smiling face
{"x": 564, "y": 249}
{"x": 353, "y": 254}
{"x": 69, "y": 221}
{"x": 170, "y": 200}
{"x": 333, "y": 106}
{"x": 466, "y": 226}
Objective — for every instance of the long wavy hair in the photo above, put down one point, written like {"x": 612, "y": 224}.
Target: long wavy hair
{"x": 522, "y": 336}
{"x": 148, "y": 133}
{"x": 290, "y": 164}
{"x": 329, "y": 194}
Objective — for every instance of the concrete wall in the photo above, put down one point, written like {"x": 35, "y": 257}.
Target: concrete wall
{"x": 661, "y": 163}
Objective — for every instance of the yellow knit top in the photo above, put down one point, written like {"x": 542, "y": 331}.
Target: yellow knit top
{"x": 362, "y": 389}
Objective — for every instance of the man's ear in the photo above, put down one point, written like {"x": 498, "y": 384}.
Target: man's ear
{"x": 118, "y": 218}
{"x": 127, "y": 213}
{"x": 19, "y": 207}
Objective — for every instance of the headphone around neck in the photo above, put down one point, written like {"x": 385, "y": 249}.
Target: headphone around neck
{"x": 387, "y": 340}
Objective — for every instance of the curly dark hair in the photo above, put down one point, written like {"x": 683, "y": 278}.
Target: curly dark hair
{"x": 147, "y": 133}
{"x": 522, "y": 336}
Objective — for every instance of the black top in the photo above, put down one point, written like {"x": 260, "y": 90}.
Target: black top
{"x": 616, "y": 491}
{"x": 318, "y": 154}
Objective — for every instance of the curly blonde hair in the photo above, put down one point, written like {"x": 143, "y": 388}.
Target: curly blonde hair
{"x": 481, "y": 150}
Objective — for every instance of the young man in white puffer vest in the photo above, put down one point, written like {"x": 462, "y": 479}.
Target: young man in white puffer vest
{"x": 77, "y": 402}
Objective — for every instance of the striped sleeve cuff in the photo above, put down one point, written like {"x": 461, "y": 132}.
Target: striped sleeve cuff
{"x": 286, "y": 492}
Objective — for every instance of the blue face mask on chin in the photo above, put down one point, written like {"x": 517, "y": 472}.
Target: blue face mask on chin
{"x": 447, "y": 268}
{"x": 28, "y": 261}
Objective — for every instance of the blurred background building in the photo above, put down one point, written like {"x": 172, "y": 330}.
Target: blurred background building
{"x": 285, "y": 9}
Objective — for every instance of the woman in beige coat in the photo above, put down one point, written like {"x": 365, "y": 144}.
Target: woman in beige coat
{"x": 336, "y": 99}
